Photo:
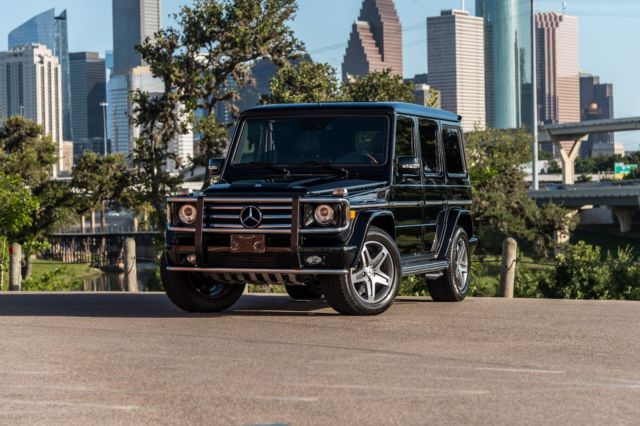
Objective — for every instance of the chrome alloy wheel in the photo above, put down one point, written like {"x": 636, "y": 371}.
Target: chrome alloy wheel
{"x": 374, "y": 273}
{"x": 462, "y": 265}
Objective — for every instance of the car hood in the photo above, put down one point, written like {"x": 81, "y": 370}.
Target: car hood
{"x": 292, "y": 186}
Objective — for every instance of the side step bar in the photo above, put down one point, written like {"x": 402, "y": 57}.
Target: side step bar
{"x": 425, "y": 268}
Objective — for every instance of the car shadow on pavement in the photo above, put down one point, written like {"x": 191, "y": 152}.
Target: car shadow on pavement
{"x": 146, "y": 305}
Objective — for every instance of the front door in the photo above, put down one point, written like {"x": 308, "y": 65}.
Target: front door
{"x": 435, "y": 190}
{"x": 406, "y": 193}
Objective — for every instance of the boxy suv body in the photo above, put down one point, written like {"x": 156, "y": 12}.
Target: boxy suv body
{"x": 340, "y": 200}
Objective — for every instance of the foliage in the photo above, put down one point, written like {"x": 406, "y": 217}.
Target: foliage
{"x": 305, "y": 82}
{"x": 309, "y": 82}
{"x": 208, "y": 57}
{"x": 98, "y": 179}
{"x": 18, "y": 205}
{"x": 554, "y": 168}
{"x": 413, "y": 285}
{"x": 602, "y": 163}
{"x": 581, "y": 273}
{"x": 378, "y": 86}
{"x": 160, "y": 122}
{"x": 25, "y": 152}
{"x": 501, "y": 205}
{"x": 54, "y": 280}
{"x": 434, "y": 98}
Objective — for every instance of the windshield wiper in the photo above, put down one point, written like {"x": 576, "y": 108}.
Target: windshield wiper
{"x": 341, "y": 171}
{"x": 266, "y": 164}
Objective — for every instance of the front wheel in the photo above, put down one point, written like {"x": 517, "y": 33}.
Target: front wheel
{"x": 454, "y": 284}
{"x": 194, "y": 292}
{"x": 372, "y": 285}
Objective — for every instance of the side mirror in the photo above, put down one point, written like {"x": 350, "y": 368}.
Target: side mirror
{"x": 408, "y": 166}
{"x": 215, "y": 166}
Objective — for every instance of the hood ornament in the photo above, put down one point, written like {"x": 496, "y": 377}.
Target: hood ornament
{"x": 340, "y": 192}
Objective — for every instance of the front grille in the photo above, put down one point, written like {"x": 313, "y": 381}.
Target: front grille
{"x": 225, "y": 214}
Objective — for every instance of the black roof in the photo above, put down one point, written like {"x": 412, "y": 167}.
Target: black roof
{"x": 400, "y": 107}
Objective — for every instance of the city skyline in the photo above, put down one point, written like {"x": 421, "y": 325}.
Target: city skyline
{"x": 325, "y": 28}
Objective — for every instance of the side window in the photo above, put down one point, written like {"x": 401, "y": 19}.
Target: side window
{"x": 429, "y": 145}
{"x": 453, "y": 150}
{"x": 404, "y": 137}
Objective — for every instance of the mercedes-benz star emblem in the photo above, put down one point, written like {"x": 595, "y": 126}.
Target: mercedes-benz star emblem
{"x": 251, "y": 217}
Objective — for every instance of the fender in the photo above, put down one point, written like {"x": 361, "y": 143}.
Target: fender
{"x": 361, "y": 227}
{"x": 447, "y": 222}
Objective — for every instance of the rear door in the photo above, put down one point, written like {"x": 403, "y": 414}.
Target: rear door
{"x": 456, "y": 168}
{"x": 435, "y": 193}
{"x": 406, "y": 192}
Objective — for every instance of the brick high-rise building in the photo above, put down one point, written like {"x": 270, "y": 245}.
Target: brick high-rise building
{"x": 456, "y": 64}
{"x": 596, "y": 103}
{"x": 375, "y": 43}
{"x": 558, "y": 68}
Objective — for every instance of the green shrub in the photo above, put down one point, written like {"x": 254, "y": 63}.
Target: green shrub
{"x": 54, "y": 280}
{"x": 413, "y": 285}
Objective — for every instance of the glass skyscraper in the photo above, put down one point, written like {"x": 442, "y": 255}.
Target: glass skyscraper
{"x": 51, "y": 31}
{"x": 508, "y": 62}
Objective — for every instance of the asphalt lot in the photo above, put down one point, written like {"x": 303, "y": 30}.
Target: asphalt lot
{"x": 133, "y": 358}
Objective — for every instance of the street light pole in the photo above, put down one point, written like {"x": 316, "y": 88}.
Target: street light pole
{"x": 104, "y": 106}
{"x": 534, "y": 86}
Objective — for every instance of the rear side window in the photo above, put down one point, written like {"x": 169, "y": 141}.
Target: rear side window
{"x": 429, "y": 145}
{"x": 453, "y": 150}
{"x": 404, "y": 137}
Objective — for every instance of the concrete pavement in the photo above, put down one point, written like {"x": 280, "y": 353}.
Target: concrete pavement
{"x": 90, "y": 358}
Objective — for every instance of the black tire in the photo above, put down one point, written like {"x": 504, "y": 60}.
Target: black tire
{"x": 193, "y": 292}
{"x": 311, "y": 291}
{"x": 453, "y": 285}
{"x": 351, "y": 295}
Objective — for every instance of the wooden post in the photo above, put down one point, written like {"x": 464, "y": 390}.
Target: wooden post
{"x": 93, "y": 220}
{"x": 508, "y": 272}
{"x": 15, "y": 270}
{"x": 130, "y": 271}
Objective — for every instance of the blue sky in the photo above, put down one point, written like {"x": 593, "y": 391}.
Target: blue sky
{"x": 609, "y": 31}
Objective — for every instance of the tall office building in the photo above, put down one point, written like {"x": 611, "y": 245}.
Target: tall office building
{"x": 375, "y": 42}
{"x": 455, "y": 53}
{"x": 51, "y": 31}
{"x": 508, "y": 62}
{"x": 596, "y": 103}
{"x": 558, "y": 68}
{"x": 133, "y": 21}
{"x": 88, "y": 91}
{"x": 31, "y": 86}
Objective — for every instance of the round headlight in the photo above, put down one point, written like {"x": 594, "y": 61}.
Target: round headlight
{"x": 324, "y": 214}
{"x": 187, "y": 214}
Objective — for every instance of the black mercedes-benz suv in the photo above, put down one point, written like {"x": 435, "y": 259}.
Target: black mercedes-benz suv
{"x": 340, "y": 200}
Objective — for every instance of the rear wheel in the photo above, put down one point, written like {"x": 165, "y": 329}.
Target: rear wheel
{"x": 311, "y": 291}
{"x": 195, "y": 292}
{"x": 372, "y": 285}
{"x": 454, "y": 284}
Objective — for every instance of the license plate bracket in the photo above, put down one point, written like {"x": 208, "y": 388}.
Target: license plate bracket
{"x": 247, "y": 243}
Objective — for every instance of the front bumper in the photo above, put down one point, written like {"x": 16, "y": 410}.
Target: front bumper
{"x": 206, "y": 248}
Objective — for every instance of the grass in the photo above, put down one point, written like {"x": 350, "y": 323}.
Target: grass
{"x": 70, "y": 272}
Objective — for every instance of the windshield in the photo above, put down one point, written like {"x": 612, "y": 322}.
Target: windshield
{"x": 308, "y": 140}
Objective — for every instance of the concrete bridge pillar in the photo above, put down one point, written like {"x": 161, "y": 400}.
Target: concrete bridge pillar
{"x": 625, "y": 216}
{"x": 569, "y": 151}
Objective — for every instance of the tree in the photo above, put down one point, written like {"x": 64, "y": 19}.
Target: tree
{"x": 160, "y": 121}
{"x": 208, "y": 57}
{"x": 501, "y": 205}
{"x": 98, "y": 180}
{"x": 303, "y": 83}
{"x": 379, "y": 86}
{"x": 27, "y": 153}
